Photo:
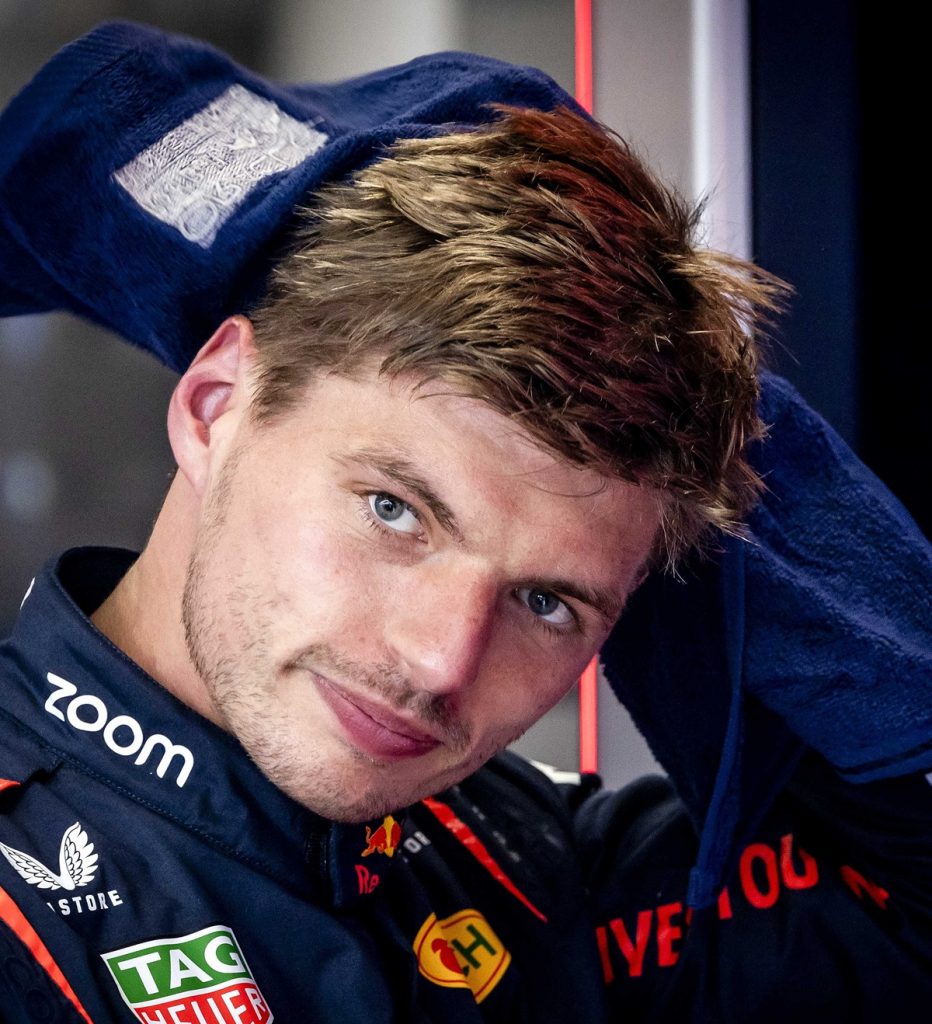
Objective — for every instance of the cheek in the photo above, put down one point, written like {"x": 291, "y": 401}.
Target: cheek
{"x": 544, "y": 695}
{"x": 525, "y": 673}
{"x": 523, "y": 682}
{"x": 319, "y": 576}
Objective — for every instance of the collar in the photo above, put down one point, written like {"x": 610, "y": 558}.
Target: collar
{"x": 92, "y": 707}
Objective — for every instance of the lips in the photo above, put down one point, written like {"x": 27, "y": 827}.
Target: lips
{"x": 373, "y": 729}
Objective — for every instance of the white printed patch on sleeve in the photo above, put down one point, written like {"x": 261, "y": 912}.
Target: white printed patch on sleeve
{"x": 196, "y": 176}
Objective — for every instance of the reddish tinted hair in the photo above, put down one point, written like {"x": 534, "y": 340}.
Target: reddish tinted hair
{"x": 536, "y": 264}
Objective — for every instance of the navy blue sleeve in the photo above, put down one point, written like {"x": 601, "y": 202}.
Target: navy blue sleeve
{"x": 826, "y": 913}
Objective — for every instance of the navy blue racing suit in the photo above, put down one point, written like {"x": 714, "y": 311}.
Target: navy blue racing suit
{"x": 150, "y": 872}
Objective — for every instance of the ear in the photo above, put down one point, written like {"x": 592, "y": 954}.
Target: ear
{"x": 211, "y": 399}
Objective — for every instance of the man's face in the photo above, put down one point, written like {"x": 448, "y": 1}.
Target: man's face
{"x": 386, "y": 589}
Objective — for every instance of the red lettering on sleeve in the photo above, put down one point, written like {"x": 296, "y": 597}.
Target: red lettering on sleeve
{"x": 724, "y": 905}
{"x": 601, "y": 935}
{"x": 793, "y": 879}
{"x": 633, "y": 952}
{"x": 757, "y": 897}
{"x": 859, "y": 885}
{"x": 668, "y": 933}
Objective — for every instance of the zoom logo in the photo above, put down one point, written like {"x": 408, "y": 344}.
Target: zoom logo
{"x": 122, "y": 734}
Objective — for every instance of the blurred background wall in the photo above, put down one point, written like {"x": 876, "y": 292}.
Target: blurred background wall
{"x": 756, "y": 105}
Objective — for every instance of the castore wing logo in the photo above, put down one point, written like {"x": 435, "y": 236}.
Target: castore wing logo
{"x": 77, "y": 862}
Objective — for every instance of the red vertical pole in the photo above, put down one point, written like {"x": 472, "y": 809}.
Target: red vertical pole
{"x": 584, "y": 54}
{"x": 588, "y": 681}
{"x": 589, "y": 718}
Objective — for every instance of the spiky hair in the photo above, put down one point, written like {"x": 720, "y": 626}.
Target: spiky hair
{"x": 536, "y": 264}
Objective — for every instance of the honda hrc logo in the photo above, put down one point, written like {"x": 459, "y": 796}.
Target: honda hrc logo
{"x": 122, "y": 734}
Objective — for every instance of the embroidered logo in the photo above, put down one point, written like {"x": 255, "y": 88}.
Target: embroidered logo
{"x": 201, "y": 977}
{"x": 368, "y": 880}
{"x": 195, "y": 176}
{"x": 77, "y": 868}
{"x": 122, "y": 734}
{"x": 77, "y": 862}
{"x": 384, "y": 839}
{"x": 461, "y": 951}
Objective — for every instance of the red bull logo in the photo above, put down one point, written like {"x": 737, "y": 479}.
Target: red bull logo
{"x": 384, "y": 839}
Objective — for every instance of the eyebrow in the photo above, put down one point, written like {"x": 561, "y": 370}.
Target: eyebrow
{"x": 396, "y": 467}
{"x": 605, "y": 602}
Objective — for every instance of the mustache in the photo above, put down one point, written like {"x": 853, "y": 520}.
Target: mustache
{"x": 434, "y": 712}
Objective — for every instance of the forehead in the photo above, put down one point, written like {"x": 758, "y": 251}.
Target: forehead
{"x": 397, "y": 413}
{"x": 504, "y": 488}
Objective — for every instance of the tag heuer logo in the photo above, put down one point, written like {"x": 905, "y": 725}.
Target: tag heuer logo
{"x": 77, "y": 862}
{"x": 202, "y": 977}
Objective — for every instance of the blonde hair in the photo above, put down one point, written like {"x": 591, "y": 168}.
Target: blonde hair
{"x": 537, "y": 265}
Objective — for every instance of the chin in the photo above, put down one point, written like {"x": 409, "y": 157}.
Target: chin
{"x": 355, "y": 811}
{"x": 355, "y": 803}
{"x": 346, "y": 797}
{"x": 345, "y": 786}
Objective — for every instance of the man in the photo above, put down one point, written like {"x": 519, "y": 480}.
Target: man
{"x": 491, "y": 386}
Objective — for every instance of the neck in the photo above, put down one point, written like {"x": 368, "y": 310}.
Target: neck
{"x": 143, "y": 614}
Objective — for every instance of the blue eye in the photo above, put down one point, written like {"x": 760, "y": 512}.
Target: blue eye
{"x": 394, "y": 513}
{"x": 546, "y": 605}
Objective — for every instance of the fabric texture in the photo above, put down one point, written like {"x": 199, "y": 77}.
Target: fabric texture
{"x": 813, "y": 632}
{"x": 147, "y": 181}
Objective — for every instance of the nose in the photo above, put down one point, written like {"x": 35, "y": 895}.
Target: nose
{"x": 440, "y": 626}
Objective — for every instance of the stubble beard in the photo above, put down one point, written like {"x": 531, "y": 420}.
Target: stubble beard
{"x": 226, "y": 629}
{"x": 239, "y": 673}
{"x": 243, "y": 699}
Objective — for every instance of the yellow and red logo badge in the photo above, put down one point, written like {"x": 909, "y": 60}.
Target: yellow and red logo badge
{"x": 461, "y": 951}
{"x": 384, "y": 839}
